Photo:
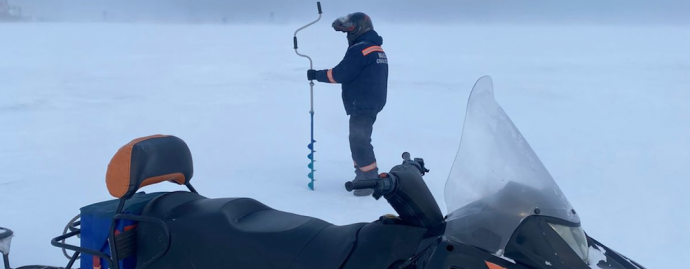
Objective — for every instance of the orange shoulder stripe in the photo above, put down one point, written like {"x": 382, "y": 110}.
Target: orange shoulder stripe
{"x": 371, "y": 49}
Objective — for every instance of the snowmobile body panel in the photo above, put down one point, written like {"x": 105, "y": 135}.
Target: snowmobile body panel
{"x": 381, "y": 245}
{"x": 448, "y": 254}
{"x": 609, "y": 258}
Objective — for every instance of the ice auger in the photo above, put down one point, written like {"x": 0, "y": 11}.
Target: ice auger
{"x": 311, "y": 111}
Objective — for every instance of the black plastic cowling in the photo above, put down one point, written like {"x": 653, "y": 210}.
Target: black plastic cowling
{"x": 411, "y": 197}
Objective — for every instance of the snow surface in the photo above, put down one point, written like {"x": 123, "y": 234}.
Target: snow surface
{"x": 596, "y": 255}
{"x": 606, "y": 108}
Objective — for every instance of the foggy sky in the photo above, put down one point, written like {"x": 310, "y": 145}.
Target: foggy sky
{"x": 286, "y": 11}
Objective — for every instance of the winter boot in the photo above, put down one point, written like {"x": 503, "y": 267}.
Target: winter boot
{"x": 361, "y": 175}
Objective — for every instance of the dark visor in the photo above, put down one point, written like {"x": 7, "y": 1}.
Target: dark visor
{"x": 343, "y": 24}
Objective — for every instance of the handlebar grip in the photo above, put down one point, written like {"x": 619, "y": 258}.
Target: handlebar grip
{"x": 318, "y": 4}
{"x": 362, "y": 184}
{"x": 294, "y": 40}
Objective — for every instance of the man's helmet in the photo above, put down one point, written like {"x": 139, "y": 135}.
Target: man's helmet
{"x": 354, "y": 24}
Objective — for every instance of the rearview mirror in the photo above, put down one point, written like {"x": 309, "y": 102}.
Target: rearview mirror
{"x": 5, "y": 242}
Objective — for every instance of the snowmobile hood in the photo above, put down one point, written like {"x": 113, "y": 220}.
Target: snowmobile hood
{"x": 497, "y": 180}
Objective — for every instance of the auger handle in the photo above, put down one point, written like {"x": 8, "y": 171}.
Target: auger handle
{"x": 294, "y": 39}
{"x": 318, "y": 5}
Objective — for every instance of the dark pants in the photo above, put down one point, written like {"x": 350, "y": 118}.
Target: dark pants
{"x": 361, "y": 127}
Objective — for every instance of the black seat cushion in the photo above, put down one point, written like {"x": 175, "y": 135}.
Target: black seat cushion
{"x": 239, "y": 233}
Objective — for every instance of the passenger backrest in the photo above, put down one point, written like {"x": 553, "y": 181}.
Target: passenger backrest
{"x": 146, "y": 161}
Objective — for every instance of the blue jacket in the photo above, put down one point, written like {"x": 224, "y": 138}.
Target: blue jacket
{"x": 363, "y": 73}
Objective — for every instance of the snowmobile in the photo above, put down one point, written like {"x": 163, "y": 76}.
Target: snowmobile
{"x": 506, "y": 212}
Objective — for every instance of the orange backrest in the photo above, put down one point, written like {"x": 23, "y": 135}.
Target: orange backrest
{"x": 146, "y": 161}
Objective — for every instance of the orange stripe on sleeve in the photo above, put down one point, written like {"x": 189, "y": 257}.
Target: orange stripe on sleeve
{"x": 330, "y": 76}
{"x": 371, "y": 49}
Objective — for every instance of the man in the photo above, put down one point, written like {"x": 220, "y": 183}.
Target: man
{"x": 363, "y": 73}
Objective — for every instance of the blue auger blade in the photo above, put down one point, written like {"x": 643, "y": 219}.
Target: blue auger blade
{"x": 311, "y": 165}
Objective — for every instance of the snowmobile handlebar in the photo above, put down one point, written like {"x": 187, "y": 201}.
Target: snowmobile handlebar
{"x": 362, "y": 184}
{"x": 386, "y": 182}
{"x": 405, "y": 190}
{"x": 383, "y": 185}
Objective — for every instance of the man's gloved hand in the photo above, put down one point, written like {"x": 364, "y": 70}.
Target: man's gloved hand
{"x": 311, "y": 74}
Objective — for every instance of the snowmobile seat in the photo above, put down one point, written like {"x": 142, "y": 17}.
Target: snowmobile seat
{"x": 239, "y": 233}
{"x": 186, "y": 230}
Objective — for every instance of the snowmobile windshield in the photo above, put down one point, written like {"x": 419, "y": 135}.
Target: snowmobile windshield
{"x": 497, "y": 180}
{"x": 575, "y": 238}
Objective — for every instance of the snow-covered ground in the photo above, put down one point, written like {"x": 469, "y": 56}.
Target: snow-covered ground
{"x": 607, "y": 109}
